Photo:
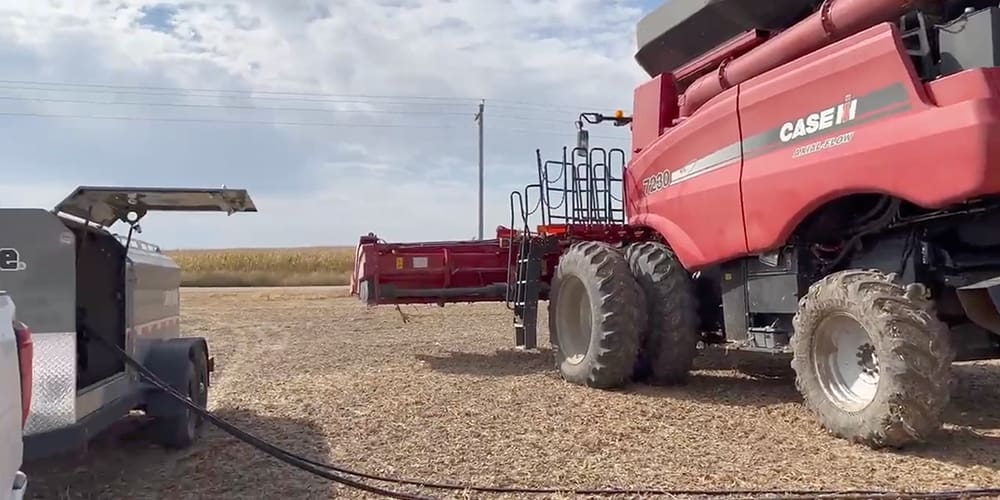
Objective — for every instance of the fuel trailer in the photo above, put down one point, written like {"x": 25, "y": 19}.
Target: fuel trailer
{"x": 815, "y": 179}
{"x": 78, "y": 286}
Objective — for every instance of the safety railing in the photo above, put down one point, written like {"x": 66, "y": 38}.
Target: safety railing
{"x": 582, "y": 188}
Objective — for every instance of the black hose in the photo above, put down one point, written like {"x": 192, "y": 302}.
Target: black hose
{"x": 317, "y": 468}
{"x": 248, "y": 438}
{"x": 880, "y": 222}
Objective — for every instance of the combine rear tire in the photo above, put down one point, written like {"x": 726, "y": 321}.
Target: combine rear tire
{"x": 596, "y": 311}
{"x": 871, "y": 359}
{"x": 670, "y": 342}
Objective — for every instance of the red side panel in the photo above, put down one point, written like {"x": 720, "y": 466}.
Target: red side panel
{"x": 685, "y": 185}
{"x": 867, "y": 126}
{"x": 465, "y": 271}
{"x": 658, "y": 99}
{"x": 976, "y": 84}
{"x": 437, "y": 272}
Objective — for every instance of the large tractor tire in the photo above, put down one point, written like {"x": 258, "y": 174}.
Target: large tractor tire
{"x": 670, "y": 336}
{"x": 596, "y": 312}
{"x": 871, "y": 359}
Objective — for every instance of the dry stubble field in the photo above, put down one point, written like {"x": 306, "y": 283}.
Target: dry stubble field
{"x": 443, "y": 398}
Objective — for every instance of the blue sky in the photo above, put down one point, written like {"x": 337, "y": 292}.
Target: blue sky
{"x": 187, "y": 93}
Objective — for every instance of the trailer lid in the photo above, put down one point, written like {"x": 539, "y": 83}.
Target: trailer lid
{"x": 107, "y": 204}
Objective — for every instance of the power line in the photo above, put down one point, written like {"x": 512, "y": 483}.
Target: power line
{"x": 547, "y": 107}
{"x": 235, "y": 91}
{"x": 272, "y": 99}
{"x": 276, "y": 123}
{"x": 162, "y": 91}
{"x": 219, "y": 121}
{"x": 224, "y": 106}
{"x": 511, "y": 103}
{"x": 213, "y": 96}
{"x": 262, "y": 108}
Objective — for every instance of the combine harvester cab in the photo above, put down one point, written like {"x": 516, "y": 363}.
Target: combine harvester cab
{"x": 78, "y": 286}
{"x": 817, "y": 180}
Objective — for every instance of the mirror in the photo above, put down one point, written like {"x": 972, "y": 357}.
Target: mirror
{"x": 582, "y": 142}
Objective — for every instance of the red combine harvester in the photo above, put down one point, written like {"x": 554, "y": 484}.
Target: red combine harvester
{"x": 819, "y": 179}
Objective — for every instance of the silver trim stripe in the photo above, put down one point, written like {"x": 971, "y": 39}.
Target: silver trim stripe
{"x": 769, "y": 140}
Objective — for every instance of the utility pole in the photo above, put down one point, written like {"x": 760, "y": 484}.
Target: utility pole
{"x": 479, "y": 120}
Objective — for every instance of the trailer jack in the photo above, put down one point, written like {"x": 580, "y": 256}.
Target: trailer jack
{"x": 337, "y": 473}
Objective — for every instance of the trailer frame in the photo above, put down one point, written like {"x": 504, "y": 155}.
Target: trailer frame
{"x": 78, "y": 284}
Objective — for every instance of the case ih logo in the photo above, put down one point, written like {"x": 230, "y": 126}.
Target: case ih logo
{"x": 820, "y": 121}
{"x": 10, "y": 260}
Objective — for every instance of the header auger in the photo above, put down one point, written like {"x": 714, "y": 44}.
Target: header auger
{"x": 813, "y": 179}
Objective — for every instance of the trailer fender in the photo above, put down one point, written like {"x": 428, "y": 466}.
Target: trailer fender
{"x": 687, "y": 252}
{"x": 169, "y": 360}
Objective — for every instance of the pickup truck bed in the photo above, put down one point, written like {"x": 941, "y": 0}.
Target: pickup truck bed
{"x": 15, "y": 393}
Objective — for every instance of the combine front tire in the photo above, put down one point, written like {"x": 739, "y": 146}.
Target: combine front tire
{"x": 871, "y": 359}
{"x": 596, "y": 312}
{"x": 671, "y": 333}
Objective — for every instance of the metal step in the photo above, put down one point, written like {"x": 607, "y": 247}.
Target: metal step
{"x": 527, "y": 287}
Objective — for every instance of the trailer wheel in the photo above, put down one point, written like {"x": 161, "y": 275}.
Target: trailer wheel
{"x": 596, "y": 311}
{"x": 871, "y": 359}
{"x": 670, "y": 337}
{"x": 181, "y": 427}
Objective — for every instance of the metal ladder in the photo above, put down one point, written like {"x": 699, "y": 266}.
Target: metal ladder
{"x": 527, "y": 291}
{"x": 524, "y": 272}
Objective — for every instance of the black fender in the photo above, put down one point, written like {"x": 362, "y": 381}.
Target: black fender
{"x": 169, "y": 360}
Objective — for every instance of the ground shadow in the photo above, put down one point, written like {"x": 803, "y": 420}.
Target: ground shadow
{"x": 123, "y": 463}
{"x": 975, "y": 396}
{"x": 502, "y": 363}
{"x": 723, "y": 389}
{"x": 964, "y": 446}
{"x": 731, "y": 379}
{"x": 756, "y": 365}
{"x": 970, "y": 437}
{"x": 971, "y": 420}
{"x": 971, "y": 414}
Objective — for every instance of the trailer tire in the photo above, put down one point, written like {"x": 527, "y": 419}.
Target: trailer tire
{"x": 175, "y": 425}
{"x": 670, "y": 336}
{"x": 596, "y": 312}
{"x": 850, "y": 315}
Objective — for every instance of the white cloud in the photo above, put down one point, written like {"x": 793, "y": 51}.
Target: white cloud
{"x": 320, "y": 184}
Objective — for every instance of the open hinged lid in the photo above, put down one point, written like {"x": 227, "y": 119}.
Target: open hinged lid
{"x": 107, "y": 205}
{"x": 679, "y": 31}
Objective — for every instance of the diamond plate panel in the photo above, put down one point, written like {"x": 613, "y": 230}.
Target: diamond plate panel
{"x": 53, "y": 385}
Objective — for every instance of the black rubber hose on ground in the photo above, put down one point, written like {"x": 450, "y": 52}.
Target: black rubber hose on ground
{"x": 250, "y": 439}
{"x": 322, "y": 469}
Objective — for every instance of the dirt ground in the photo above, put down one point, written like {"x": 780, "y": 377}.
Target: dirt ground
{"x": 443, "y": 398}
